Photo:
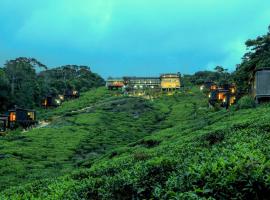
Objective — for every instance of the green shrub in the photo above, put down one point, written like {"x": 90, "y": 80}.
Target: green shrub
{"x": 246, "y": 102}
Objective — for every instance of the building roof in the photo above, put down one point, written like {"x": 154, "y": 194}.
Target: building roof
{"x": 263, "y": 69}
{"x": 171, "y": 75}
{"x": 137, "y": 77}
{"x": 22, "y": 109}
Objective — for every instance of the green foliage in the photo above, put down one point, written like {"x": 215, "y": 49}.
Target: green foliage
{"x": 257, "y": 57}
{"x": 246, "y": 102}
{"x": 70, "y": 77}
{"x": 25, "y": 82}
{"x": 4, "y": 90}
{"x": 131, "y": 148}
{"x": 219, "y": 76}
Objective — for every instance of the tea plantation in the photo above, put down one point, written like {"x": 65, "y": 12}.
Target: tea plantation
{"x": 106, "y": 146}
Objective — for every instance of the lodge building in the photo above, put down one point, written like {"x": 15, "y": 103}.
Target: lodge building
{"x": 114, "y": 83}
{"x": 170, "y": 82}
{"x": 142, "y": 85}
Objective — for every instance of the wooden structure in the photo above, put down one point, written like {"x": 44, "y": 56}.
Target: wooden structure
{"x": 71, "y": 94}
{"x": 170, "y": 82}
{"x": 261, "y": 85}
{"x": 115, "y": 83}
{"x": 51, "y": 101}
{"x": 224, "y": 95}
{"x": 21, "y": 117}
{"x": 209, "y": 85}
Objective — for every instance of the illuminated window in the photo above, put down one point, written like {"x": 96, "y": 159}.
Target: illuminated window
{"x": 12, "y": 117}
{"x": 45, "y": 103}
{"x": 74, "y": 92}
{"x": 31, "y": 115}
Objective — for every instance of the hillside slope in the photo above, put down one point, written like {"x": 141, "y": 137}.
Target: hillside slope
{"x": 130, "y": 148}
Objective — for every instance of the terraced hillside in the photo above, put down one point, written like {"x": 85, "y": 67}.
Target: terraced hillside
{"x": 103, "y": 146}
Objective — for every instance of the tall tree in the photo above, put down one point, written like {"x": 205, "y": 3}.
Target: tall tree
{"x": 21, "y": 73}
{"x": 258, "y": 56}
{"x": 4, "y": 90}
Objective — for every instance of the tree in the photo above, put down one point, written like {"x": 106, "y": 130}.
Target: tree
{"x": 4, "y": 90}
{"x": 258, "y": 56}
{"x": 21, "y": 74}
{"x": 26, "y": 81}
{"x": 72, "y": 77}
{"x": 219, "y": 69}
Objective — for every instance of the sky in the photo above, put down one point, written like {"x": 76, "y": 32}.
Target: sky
{"x": 132, "y": 37}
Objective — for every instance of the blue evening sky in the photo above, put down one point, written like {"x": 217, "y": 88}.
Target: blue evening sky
{"x": 131, "y": 37}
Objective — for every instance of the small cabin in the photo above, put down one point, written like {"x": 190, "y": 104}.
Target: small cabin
{"x": 3, "y": 123}
{"x": 209, "y": 85}
{"x": 261, "y": 85}
{"x": 21, "y": 117}
{"x": 230, "y": 87}
{"x": 52, "y": 101}
{"x": 170, "y": 81}
{"x": 222, "y": 96}
{"x": 115, "y": 83}
{"x": 71, "y": 94}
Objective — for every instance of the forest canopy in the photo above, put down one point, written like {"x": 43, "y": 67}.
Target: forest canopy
{"x": 26, "y": 81}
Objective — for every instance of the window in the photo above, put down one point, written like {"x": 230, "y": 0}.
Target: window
{"x": 12, "y": 117}
{"x": 31, "y": 115}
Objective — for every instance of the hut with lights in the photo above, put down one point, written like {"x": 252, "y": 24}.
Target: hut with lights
{"x": 71, "y": 94}
{"x": 208, "y": 86}
{"x": 225, "y": 95}
{"x": 21, "y": 117}
{"x": 51, "y": 101}
{"x": 115, "y": 83}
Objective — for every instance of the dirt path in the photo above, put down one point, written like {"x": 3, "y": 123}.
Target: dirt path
{"x": 43, "y": 124}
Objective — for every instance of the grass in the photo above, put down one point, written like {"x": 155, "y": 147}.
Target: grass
{"x": 76, "y": 139}
{"x": 130, "y": 148}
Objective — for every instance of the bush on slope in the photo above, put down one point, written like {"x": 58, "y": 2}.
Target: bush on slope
{"x": 75, "y": 140}
{"x": 216, "y": 155}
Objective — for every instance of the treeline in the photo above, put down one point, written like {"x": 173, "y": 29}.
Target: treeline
{"x": 256, "y": 57}
{"x": 26, "y": 81}
{"x": 219, "y": 75}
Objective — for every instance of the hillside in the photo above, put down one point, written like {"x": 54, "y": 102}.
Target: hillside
{"x": 104, "y": 146}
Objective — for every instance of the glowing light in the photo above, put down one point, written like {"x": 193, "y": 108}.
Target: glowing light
{"x": 61, "y": 97}
{"x": 12, "y": 117}
{"x": 202, "y": 87}
{"x": 75, "y": 92}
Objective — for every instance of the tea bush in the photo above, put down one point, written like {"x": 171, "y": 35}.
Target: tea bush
{"x": 217, "y": 155}
{"x": 246, "y": 102}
